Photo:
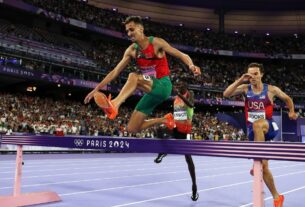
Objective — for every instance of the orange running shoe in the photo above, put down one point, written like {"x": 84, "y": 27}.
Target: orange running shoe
{"x": 279, "y": 201}
{"x": 170, "y": 122}
{"x": 106, "y": 105}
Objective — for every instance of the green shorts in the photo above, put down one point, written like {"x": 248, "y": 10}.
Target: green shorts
{"x": 161, "y": 91}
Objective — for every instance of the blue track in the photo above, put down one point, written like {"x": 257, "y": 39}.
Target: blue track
{"x": 130, "y": 179}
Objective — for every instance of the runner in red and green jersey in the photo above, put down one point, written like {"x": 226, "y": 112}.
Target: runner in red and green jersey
{"x": 150, "y": 55}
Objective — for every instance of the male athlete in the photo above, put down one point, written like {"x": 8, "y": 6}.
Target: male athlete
{"x": 258, "y": 109}
{"x": 150, "y": 54}
{"x": 183, "y": 115}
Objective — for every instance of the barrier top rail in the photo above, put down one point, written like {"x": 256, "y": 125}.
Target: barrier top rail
{"x": 237, "y": 149}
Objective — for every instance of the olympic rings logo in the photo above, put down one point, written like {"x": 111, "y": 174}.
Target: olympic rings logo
{"x": 78, "y": 142}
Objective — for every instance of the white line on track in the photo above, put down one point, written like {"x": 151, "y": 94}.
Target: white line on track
{"x": 112, "y": 171}
{"x": 113, "y": 164}
{"x": 284, "y": 193}
{"x": 176, "y": 180}
{"x": 139, "y": 175}
{"x": 203, "y": 190}
{"x": 110, "y": 159}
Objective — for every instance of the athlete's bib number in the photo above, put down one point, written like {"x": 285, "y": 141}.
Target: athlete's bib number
{"x": 254, "y": 116}
{"x": 146, "y": 77}
{"x": 149, "y": 74}
{"x": 180, "y": 115}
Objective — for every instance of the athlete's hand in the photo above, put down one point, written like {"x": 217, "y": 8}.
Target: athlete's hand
{"x": 292, "y": 115}
{"x": 195, "y": 69}
{"x": 245, "y": 78}
{"x": 89, "y": 96}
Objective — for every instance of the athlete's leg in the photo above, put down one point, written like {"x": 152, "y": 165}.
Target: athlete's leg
{"x": 138, "y": 122}
{"x": 133, "y": 82}
{"x": 191, "y": 168}
{"x": 260, "y": 128}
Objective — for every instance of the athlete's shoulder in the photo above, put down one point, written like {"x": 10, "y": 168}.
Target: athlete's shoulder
{"x": 131, "y": 48}
{"x": 271, "y": 87}
{"x": 158, "y": 40}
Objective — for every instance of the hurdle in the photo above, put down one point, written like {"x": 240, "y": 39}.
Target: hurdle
{"x": 249, "y": 150}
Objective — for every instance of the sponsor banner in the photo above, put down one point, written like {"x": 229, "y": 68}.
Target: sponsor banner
{"x": 14, "y": 71}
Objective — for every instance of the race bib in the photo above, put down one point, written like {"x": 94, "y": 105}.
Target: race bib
{"x": 254, "y": 116}
{"x": 180, "y": 115}
{"x": 150, "y": 73}
{"x": 146, "y": 77}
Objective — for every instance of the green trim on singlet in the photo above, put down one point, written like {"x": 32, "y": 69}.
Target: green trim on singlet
{"x": 150, "y": 39}
{"x": 136, "y": 46}
{"x": 190, "y": 113}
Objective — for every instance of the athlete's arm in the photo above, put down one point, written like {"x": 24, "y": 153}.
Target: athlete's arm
{"x": 163, "y": 45}
{"x": 237, "y": 87}
{"x": 113, "y": 74}
{"x": 276, "y": 91}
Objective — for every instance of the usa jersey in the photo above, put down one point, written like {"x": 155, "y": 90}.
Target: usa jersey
{"x": 258, "y": 106}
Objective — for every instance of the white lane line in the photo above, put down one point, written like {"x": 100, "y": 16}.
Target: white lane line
{"x": 111, "y": 171}
{"x": 270, "y": 197}
{"x": 144, "y": 184}
{"x": 119, "y": 163}
{"x": 170, "y": 181}
{"x": 85, "y": 159}
{"x": 98, "y": 165}
{"x": 203, "y": 190}
{"x": 121, "y": 177}
{"x": 150, "y": 174}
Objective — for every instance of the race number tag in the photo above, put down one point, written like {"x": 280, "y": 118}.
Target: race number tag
{"x": 254, "y": 116}
{"x": 180, "y": 115}
{"x": 149, "y": 72}
{"x": 146, "y": 77}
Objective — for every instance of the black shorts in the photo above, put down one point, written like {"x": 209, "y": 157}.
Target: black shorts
{"x": 178, "y": 135}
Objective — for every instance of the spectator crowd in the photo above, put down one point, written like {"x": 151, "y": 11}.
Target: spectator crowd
{"x": 34, "y": 114}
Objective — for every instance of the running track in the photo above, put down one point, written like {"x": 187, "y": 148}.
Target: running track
{"x": 130, "y": 179}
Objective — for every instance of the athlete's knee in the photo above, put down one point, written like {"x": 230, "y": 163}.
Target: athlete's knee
{"x": 259, "y": 124}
